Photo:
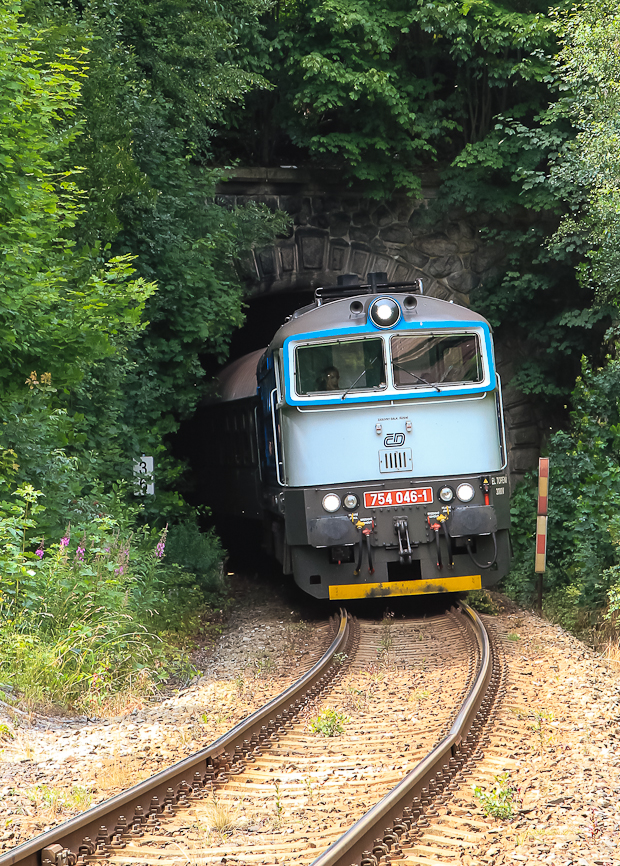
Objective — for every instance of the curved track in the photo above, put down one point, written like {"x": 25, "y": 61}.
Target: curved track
{"x": 275, "y": 788}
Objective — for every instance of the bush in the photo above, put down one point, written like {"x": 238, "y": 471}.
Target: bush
{"x": 83, "y": 618}
{"x": 583, "y": 554}
{"x": 199, "y": 553}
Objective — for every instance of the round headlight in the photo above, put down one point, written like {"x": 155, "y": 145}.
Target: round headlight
{"x": 351, "y": 501}
{"x": 465, "y": 492}
{"x": 384, "y": 313}
{"x": 331, "y": 502}
{"x": 446, "y": 494}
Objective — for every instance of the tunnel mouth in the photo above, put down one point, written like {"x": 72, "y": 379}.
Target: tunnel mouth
{"x": 265, "y": 313}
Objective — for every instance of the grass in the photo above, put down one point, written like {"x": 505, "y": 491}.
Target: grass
{"x": 540, "y": 727}
{"x": 98, "y": 620}
{"x": 119, "y": 772}
{"x": 261, "y": 665}
{"x": 295, "y": 634}
{"x": 279, "y": 809}
{"x": 6, "y": 733}
{"x": 222, "y": 817}
{"x": 611, "y": 652}
{"x": 385, "y": 640}
{"x": 56, "y": 801}
{"x": 419, "y": 695}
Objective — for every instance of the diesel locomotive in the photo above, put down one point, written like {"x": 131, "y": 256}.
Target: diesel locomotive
{"x": 368, "y": 439}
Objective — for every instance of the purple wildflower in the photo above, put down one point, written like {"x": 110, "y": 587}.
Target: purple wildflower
{"x": 79, "y": 554}
{"x": 161, "y": 544}
{"x": 119, "y": 570}
{"x": 64, "y": 542}
{"x": 39, "y": 553}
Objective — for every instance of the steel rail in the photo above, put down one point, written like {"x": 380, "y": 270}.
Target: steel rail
{"x": 358, "y": 839}
{"x": 65, "y": 840}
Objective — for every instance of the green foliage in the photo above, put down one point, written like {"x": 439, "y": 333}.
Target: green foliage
{"x": 382, "y": 89}
{"x": 584, "y": 495}
{"x": 79, "y": 619}
{"x": 588, "y": 170}
{"x": 329, "y": 723}
{"x": 159, "y": 76}
{"x": 482, "y": 601}
{"x": 128, "y": 97}
{"x": 500, "y": 800}
{"x": 58, "y": 310}
{"x": 197, "y": 553}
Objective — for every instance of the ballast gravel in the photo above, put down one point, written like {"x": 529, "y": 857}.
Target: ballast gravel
{"x": 564, "y": 763}
{"x": 564, "y": 767}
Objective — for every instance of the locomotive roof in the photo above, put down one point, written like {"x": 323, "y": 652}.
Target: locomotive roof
{"x": 337, "y": 313}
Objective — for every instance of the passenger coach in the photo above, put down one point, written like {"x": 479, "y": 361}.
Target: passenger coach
{"x": 368, "y": 438}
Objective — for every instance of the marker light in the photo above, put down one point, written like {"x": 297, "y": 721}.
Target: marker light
{"x": 351, "y": 501}
{"x": 465, "y": 492}
{"x": 331, "y": 502}
{"x": 446, "y": 494}
{"x": 384, "y": 313}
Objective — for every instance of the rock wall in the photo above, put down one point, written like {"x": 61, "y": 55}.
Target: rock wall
{"x": 336, "y": 230}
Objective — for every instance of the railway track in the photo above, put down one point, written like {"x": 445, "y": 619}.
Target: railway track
{"x": 410, "y": 713}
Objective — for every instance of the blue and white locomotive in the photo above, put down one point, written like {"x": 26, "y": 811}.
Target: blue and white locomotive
{"x": 369, "y": 440}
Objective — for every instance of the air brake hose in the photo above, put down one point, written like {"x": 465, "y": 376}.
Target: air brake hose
{"x": 371, "y": 568}
{"x": 475, "y": 561}
{"x": 358, "y": 567}
{"x": 435, "y": 527}
{"x": 448, "y": 543}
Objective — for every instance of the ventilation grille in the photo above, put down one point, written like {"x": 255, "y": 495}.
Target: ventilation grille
{"x": 396, "y": 460}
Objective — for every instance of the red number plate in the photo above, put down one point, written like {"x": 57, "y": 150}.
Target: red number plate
{"x": 411, "y": 496}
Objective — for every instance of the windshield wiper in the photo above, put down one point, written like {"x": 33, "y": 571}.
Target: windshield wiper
{"x": 363, "y": 373}
{"x": 415, "y": 376}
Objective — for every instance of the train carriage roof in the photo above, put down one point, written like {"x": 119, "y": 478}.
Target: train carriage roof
{"x": 338, "y": 313}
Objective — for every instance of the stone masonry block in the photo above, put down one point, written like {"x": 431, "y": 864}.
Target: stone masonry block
{"x": 312, "y": 246}
{"x": 396, "y": 234}
{"x": 435, "y": 244}
{"x": 444, "y": 265}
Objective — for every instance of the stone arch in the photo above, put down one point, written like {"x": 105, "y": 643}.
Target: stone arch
{"x": 336, "y": 230}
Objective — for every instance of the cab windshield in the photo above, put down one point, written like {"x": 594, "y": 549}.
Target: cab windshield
{"x": 340, "y": 365}
{"x": 435, "y": 359}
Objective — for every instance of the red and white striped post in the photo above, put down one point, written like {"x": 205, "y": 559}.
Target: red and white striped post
{"x": 540, "y": 559}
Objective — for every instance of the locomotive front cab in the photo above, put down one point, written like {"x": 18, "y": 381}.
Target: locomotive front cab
{"x": 387, "y": 421}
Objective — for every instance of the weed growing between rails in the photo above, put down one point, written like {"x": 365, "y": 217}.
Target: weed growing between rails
{"x": 96, "y": 615}
{"x": 501, "y": 801}
{"x": 384, "y": 653}
{"x": 329, "y": 723}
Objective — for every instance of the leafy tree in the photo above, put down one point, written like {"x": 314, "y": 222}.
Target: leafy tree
{"x": 58, "y": 311}
{"x": 384, "y": 89}
{"x": 588, "y": 172}
{"x": 159, "y": 78}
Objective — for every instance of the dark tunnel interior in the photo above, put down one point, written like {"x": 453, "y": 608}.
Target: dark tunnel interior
{"x": 264, "y": 315}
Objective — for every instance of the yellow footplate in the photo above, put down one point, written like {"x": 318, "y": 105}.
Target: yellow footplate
{"x": 405, "y": 587}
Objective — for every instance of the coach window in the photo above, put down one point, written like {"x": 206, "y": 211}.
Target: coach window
{"x": 340, "y": 365}
{"x": 435, "y": 359}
